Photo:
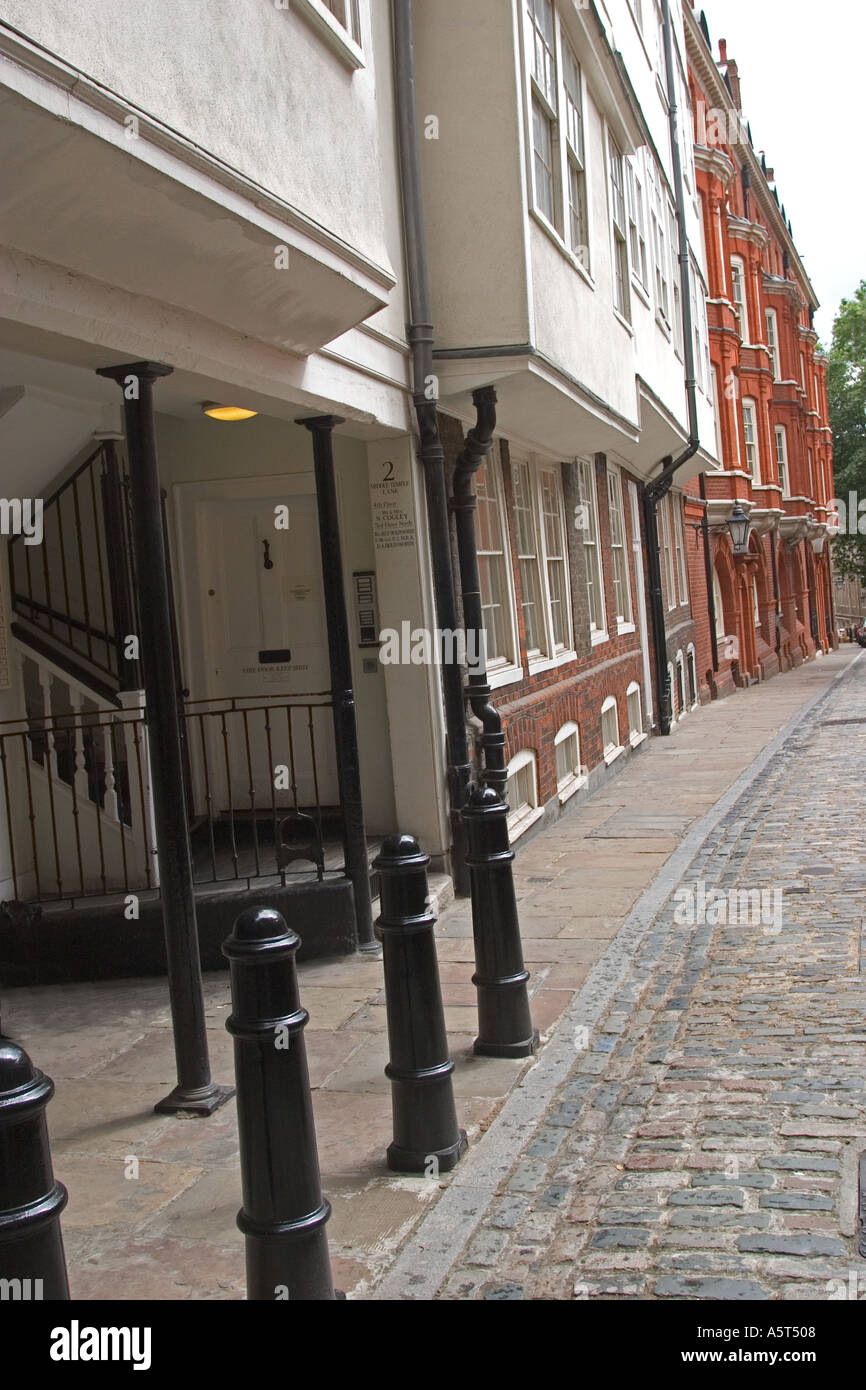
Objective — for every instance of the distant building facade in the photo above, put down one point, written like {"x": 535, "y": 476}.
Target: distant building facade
{"x": 772, "y": 607}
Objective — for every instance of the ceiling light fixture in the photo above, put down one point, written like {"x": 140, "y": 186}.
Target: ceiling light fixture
{"x": 227, "y": 412}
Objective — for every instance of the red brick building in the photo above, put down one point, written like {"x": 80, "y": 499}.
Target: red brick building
{"x": 770, "y": 608}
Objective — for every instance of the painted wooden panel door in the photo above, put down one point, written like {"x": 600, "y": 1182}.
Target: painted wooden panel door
{"x": 266, "y": 639}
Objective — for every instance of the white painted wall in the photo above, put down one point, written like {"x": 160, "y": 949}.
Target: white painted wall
{"x": 465, "y": 75}
{"x": 252, "y": 84}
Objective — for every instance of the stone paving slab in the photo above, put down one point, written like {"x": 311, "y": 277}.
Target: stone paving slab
{"x": 170, "y": 1231}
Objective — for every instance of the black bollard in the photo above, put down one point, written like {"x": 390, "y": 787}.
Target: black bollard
{"x": 32, "y": 1264}
{"x": 427, "y": 1138}
{"x": 283, "y": 1215}
{"x": 504, "y": 1022}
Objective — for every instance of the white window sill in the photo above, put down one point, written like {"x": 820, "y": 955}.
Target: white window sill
{"x": 331, "y": 30}
{"x": 624, "y": 321}
{"x": 662, "y": 323}
{"x": 642, "y": 294}
{"x": 550, "y": 231}
{"x": 598, "y": 637}
{"x": 504, "y": 675}
{"x": 522, "y": 820}
{"x": 622, "y": 628}
{"x": 635, "y": 740}
{"x": 548, "y": 663}
{"x": 612, "y": 755}
{"x": 568, "y": 788}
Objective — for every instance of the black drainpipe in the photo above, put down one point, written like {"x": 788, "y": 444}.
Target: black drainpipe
{"x": 659, "y": 486}
{"x": 425, "y": 396}
{"x": 478, "y": 443}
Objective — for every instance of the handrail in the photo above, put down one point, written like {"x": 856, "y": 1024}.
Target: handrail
{"x": 68, "y": 482}
{"x": 303, "y": 696}
{"x": 65, "y": 618}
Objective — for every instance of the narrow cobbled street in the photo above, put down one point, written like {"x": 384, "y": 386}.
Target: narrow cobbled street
{"x": 703, "y": 1135}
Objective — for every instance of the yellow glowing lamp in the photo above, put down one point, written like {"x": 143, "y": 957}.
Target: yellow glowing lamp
{"x": 227, "y": 412}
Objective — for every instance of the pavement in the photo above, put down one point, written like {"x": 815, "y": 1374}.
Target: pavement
{"x": 691, "y": 1125}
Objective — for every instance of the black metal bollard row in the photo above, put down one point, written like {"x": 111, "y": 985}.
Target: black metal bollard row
{"x": 284, "y": 1213}
{"x": 427, "y": 1138}
{"x": 32, "y": 1263}
{"x": 504, "y": 1021}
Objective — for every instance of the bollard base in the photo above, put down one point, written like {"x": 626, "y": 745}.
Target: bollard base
{"x": 201, "y": 1100}
{"x": 430, "y": 1163}
{"x": 526, "y": 1048}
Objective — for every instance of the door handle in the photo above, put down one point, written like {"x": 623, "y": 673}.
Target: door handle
{"x": 269, "y": 564}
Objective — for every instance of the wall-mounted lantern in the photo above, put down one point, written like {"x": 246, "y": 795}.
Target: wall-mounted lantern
{"x": 739, "y": 527}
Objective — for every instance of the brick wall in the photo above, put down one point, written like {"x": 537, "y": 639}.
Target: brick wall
{"x": 534, "y": 709}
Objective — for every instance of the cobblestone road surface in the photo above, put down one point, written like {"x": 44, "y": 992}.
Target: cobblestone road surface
{"x": 704, "y": 1143}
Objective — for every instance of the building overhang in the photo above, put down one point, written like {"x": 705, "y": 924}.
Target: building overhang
{"x": 539, "y": 405}
{"x": 92, "y": 185}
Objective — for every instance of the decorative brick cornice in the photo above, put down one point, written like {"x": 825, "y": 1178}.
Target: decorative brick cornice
{"x": 716, "y": 163}
{"x": 744, "y": 230}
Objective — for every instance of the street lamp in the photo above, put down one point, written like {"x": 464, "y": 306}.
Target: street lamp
{"x": 739, "y": 526}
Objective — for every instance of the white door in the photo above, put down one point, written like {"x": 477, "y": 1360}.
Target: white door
{"x": 265, "y": 649}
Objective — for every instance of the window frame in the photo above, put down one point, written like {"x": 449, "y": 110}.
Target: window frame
{"x": 527, "y": 813}
{"x": 552, "y": 652}
{"x": 717, "y": 419}
{"x": 572, "y": 781}
{"x": 610, "y": 751}
{"x": 738, "y": 274}
{"x": 780, "y": 434}
{"x": 552, "y": 100}
{"x": 616, "y": 494}
{"x": 771, "y": 319}
{"x": 575, "y": 159}
{"x": 749, "y": 414}
{"x": 558, "y": 650}
{"x": 660, "y": 230}
{"x": 500, "y": 669}
{"x": 636, "y": 735}
{"x": 597, "y": 634}
{"x": 680, "y": 557}
{"x": 637, "y": 227}
{"x": 719, "y": 605}
{"x": 616, "y": 193}
{"x": 346, "y": 42}
{"x": 679, "y": 670}
{"x": 669, "y": 582}
{"x": 692, "y": 676}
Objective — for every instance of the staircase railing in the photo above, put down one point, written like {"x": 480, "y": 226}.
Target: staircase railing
{"x": 75, "y": 789}
{"x": 77, "y": 593}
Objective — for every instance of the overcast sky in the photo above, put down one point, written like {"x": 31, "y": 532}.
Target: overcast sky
{"x": 803, "y": 76}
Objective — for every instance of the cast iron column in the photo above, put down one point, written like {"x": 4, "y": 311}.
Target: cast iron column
{"x": 31, "y": 1245}
{"x": 427, "y": 1138}
{"x": 343, "y": 694}
{"x": 195, "y": 1091}
{"x": 284, "y": 1213}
